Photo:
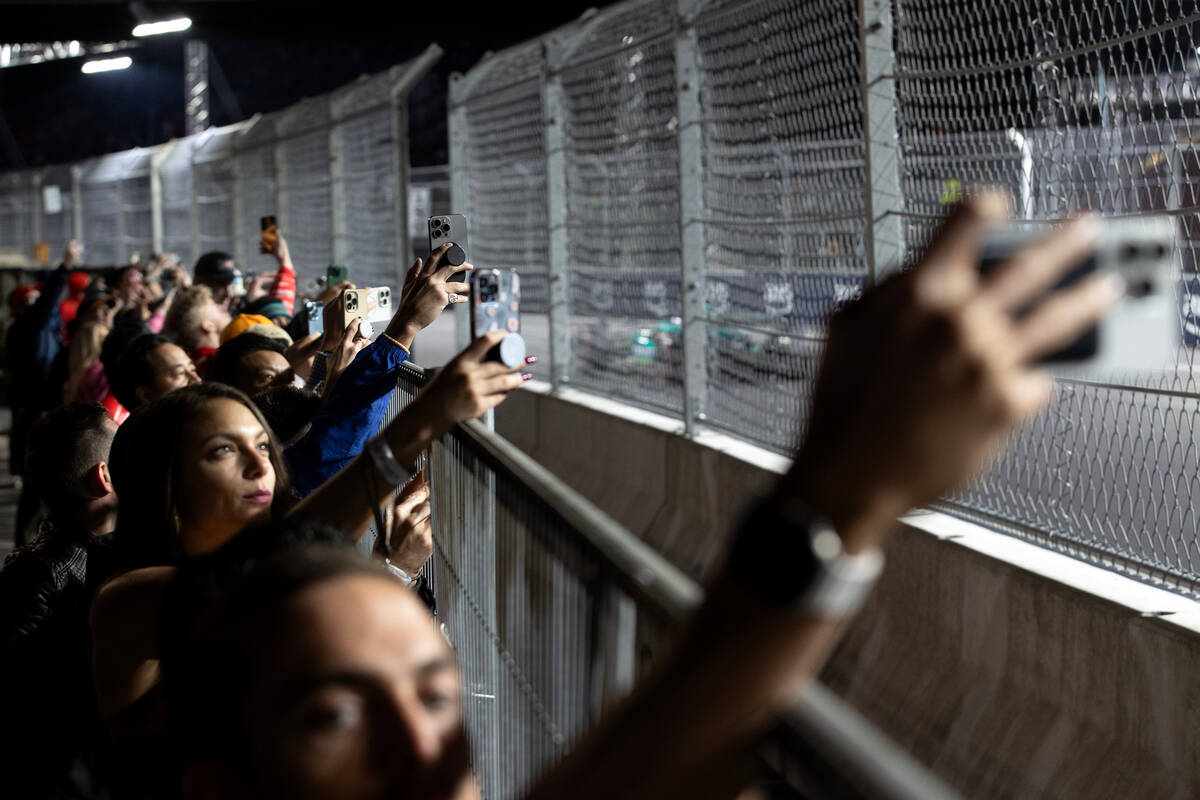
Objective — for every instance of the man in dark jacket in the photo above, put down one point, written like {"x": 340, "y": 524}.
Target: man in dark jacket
{"x": 45, "y": 592}
{"x": 34, "y": 341}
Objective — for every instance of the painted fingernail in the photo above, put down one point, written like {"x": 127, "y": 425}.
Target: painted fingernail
{"x": 526, "y": 376}
{"x": 530, "y": 359}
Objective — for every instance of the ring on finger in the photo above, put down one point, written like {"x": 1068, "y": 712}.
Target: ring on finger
{"x": 452, "y": 298}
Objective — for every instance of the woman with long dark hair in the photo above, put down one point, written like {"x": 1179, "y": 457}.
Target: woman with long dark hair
{"x": 194, "y": 468}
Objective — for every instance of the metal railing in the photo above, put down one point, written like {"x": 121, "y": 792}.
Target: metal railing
{"x": 555, "y": 610}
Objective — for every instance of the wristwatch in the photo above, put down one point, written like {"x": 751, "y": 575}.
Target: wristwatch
{"x": 398, "y": 572}
{"x": 792, "y": 557}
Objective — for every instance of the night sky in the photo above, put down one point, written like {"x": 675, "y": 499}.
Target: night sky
{"x": 52, "y": 113}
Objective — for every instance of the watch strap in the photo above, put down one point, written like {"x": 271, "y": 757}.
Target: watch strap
{"x": 793, "y": 557}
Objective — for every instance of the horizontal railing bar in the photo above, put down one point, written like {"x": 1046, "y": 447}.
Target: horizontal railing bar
{"x": 674, "y": 594}
{"x": 879, "y": 767}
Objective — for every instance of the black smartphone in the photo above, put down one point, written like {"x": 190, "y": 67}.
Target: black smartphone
{"x": 450, "y": 228}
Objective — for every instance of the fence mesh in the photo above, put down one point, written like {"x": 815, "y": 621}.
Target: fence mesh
{"x": 508, "y": 211}
{"x": 176, "y": 183}
{"x": 209, "y": 191}
{"x": 100, "y": 196}
{"x": 213, "y": 190}
{"x": 16, "y": 210}
{"x": 305, "y": 185}
{"x": 1073, "y": 106}
{"x": 784, "y": 194}
{"x": 369, "y": 188}
{"x": 255, "y": 165}
{"x": 135, "y": 209}
{"x": 622, "y": 182}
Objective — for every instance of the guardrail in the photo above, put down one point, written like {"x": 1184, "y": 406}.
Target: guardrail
{"x": 555, "y": 610}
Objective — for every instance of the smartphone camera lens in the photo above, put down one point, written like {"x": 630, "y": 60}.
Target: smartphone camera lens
{"x": 1139, "y": 288}
{"x": 1129, "y": 252}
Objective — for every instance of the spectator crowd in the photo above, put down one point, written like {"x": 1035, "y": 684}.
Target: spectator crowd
{"x": 187, "y": 613}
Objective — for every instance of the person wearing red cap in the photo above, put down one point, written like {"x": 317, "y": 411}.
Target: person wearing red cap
{"x": 77, "y": 283}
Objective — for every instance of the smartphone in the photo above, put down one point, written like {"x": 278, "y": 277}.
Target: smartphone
{"x": 308, "y": 319}
{"x": 496, "y": 305}
{"x": 450, "y": 228}
{"x": 269, "y": 238}
{"x": 1143, "y": 331}
{"x": 370, "y": 305}
{"x": 336, "y": 273}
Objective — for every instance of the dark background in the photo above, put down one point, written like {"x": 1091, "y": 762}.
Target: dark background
{"x": 263, "y": 56}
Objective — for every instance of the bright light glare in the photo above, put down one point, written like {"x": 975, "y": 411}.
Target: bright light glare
{"x": 166, "y": 26}
{"x": 107, "y": 64}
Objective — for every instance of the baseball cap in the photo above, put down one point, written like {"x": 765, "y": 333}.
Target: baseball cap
{"x": 240, "y": 323}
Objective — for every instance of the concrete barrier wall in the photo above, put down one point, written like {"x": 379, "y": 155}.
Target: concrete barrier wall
{"x": 1007, "y": 683}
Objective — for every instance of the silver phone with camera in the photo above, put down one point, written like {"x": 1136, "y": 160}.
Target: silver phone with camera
{"x": 1142, "y": 333}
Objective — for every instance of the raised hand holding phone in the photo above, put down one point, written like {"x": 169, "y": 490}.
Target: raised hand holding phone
{"x": 450, "y": 231}
{"x": 428, "y": 289}
{"x": 496, "y": 305}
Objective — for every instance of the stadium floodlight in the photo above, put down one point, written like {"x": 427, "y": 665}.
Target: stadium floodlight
{"x": 106, "y": 64}
{"x": 165, "y": 26}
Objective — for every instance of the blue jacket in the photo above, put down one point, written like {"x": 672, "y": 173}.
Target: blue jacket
{"x": 353, "y": 414}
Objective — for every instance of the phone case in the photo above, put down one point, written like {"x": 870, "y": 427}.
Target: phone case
{"x": 448, "y": 228}
{"x": 495, "y": 301}
{"x": 371, "y": 305}
{"x": 270, "y": 235}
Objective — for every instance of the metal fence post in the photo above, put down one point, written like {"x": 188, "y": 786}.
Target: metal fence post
{"x": 281, "y": 209}
{"x": 556, "y": 200}
{"x": 691, "y": 224}
{"x": 404, "y": 247}
{"x": 157, "y": 159}
{"x": 120, "y": 248}
{"x": 76, "y": 204}
{"x": 241, "y": 249}
{"x": 35, "y": 203}
{"x": 194, "y": 205}
{"x": 460, "y": 192}
{"x": 884, "y": 231}
{"x": 337, "y": 189}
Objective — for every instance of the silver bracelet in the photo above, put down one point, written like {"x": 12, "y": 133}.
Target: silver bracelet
{"x": 381, "y": 455}
{"x": 405, "y": 578}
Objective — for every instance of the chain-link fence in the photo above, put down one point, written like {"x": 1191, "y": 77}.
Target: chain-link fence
{"x": 332, "y": 169}
{"x": 719, "y": 174}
